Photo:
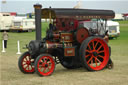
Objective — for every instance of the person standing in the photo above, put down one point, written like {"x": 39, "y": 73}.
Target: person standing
{"x": 5, "y": 38}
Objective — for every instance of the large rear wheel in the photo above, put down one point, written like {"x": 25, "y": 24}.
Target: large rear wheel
{"x": 94, "y": 53}
{"x": 44, "y": 65}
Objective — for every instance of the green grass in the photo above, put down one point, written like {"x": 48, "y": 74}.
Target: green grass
{"x": 10, "y": 74}
{"x": 123, "y": 22}
{"x": 120, "y": 45}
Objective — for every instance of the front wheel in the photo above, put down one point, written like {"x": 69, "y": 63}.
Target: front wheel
{"x": 44, "y": 65}
{"x": 94, "y": 53}
{"x": 25, "y": 63}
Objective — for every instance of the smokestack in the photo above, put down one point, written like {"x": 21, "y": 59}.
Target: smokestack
{"x": 38, "y": 20}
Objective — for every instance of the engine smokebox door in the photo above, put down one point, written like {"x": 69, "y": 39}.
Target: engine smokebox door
{"x": 69, "y": 51}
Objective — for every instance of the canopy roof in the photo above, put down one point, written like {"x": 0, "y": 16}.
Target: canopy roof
{"x": 78, "y": 14}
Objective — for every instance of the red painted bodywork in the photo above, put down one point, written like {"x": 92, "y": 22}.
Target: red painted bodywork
{"x": 64, "y": 24}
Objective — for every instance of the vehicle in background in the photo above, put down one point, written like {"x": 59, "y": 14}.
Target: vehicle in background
{"x": 22, "y": 24}
{"x": 112, "y": 27}
{"x": 5, "y": 22}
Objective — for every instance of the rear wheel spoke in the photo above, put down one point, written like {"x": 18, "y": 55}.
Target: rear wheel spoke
{"x": 89, "y": 60}
{"x": 96, "y": 62}
{"x": 99, "y": 48}
{"x": 100, "y": 51}
{"x": 101, "y": 56}
{"x": 87, "y": 55}
{"x": 89, "y": 47}
{"x": 88, "y": 51}
{"x": 96, "y": 44}
{"x": 93, "y": 45}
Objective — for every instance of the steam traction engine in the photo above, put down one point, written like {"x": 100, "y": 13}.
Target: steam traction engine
{"x": 68, "y": 42}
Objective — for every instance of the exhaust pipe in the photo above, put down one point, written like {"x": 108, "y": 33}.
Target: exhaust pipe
{"x": 37, "y": 8}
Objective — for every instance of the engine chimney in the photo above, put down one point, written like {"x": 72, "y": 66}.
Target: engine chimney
{"x": 38, "y": 20}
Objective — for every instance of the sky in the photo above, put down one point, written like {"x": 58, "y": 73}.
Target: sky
{"x": 26, "y": 6}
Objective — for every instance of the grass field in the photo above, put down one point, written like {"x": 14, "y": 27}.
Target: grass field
{"x": 11, "y": 75}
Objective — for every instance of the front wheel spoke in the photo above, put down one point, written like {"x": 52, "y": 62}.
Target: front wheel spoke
{"x": 32, "y": 60}
{"x": 89, "y": 60}
{"x": 44, "y": 70}
{"x": 26, "y": 66}
{"x": 31, "y": 66}
{"x": 29, "y": 58}
{"x": 49, "y": 63}
{"x": 40, "y": 65}
{"x": 48, "y": 68}
{"x": 40, "y": 62}
{"x": 26, "y": 59}
{"x": 45, "y": 60}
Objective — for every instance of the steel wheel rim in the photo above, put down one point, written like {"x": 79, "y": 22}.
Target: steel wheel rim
{"x": 46, "y": 65}
{"x": 26, "y": 63}
{"x": 97, "y": 54}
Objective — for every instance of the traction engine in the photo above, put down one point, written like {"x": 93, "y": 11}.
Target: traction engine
{"x": 68, "y": 42}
